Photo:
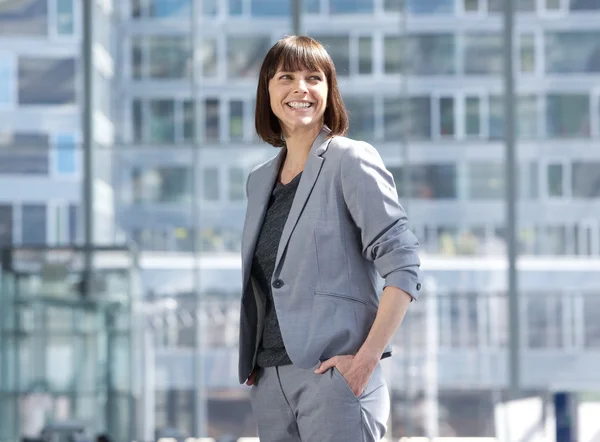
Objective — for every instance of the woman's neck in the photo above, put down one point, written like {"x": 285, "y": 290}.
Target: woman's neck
{"x": 298, "y": 146}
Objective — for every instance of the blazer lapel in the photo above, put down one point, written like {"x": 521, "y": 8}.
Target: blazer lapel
{"x": 258, "y": 202}
{"x": 311, "y": 171}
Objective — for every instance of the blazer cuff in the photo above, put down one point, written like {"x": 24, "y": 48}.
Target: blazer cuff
{"x": 406, "y": 281}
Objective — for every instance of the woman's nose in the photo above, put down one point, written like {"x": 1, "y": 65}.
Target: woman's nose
{"x": 301, "y": 86}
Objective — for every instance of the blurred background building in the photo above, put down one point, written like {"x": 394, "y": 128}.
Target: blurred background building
{"x": 172, "y": 141}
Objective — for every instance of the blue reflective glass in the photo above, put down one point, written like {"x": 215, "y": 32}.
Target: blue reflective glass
{"x": 5, "y": 82}
{"x": 65, "y": 154}
{"x": 430, "y": 6}
{"x": 64, "y": 17}
{"x": 312, "y": 6}
{"x": 235, "y": 7}
{"x": 350, "y": 6}
{"x": 270, "y": 8}
{"x": 170, "y": 8}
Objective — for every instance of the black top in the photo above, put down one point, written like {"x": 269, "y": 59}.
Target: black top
{"x": 271, "y": 351}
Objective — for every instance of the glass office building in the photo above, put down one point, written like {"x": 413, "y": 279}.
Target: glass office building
{"x": 423, "y": 82}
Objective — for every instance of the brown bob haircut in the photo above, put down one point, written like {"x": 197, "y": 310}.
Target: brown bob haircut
{"x": 290, "y": 54}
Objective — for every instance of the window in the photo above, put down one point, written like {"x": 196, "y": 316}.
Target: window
{"x": 210, "y": 184}
{"x": 430, "y": 54}
{"x": 555, "y": 180}
{"x": 236, "y": 120}
{"x": 7, "y": 81}
{"x": 245, "y": 55}
{"x": 407, "y": 119}
{"x": 393, "y": 54}
{"x": 6, "y": 225}
{"x": 189, "y": 120}
{"x": 66, "y": 158}
{"x": 137, "y": 57}
{"x": 496, "y": 6}
{"x": 33, "y": 224}
{"x": 65, "y": 24}
{"x": 483, "y": 54}
{"x": 339, "y": 49}
{"x": 161, "y": 121}
{"x": 270, "y": 8}
{"x": 169, "y": 57}
{"x": 568, "y": 115}
{"x": 526, "y": 121}
{"x": 137, "y": 111}
{"x": 584, "y": 5}
{"x": 365, "y": 55}
{"x": 418, "y": 7}
{"x": 237, "y": 184}
{"x": 473, "y": 116}
{"x": 24, "y": 153}
{"x": 544, "y": 322}
{"x": 208, "y": 55}
{"x": 446, "y": 115}
{"x": 170, "y": 8}
{"x": 310, "y": 6}
{"x": 572, "y": 52}
{"x": 23, "y": 18}
{"x": 35, "y": 74}
{"x": 426, "y": 181}
{"x": 585, "y": 179}
{"x": 73, "y": 223}
{"x": 552, "y": 5}
{"x": 361, "y": 111}
{"x": 235, "y": 7}
{"x": 392, "y": 5}
{"x": 351, "y": 6}
{"x": 591, "y": 310}
{"x": 485, "y": 180}
{"x": 212, "y": 119}
{"x": 527, "y": 53}
{"x": 162, "y": 185}
{"x": 210, "y": 8}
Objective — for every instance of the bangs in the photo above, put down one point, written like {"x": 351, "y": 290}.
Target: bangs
{"x": 301, "y": 53}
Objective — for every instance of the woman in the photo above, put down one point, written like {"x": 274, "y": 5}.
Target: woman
{"x": 323, "y": 218}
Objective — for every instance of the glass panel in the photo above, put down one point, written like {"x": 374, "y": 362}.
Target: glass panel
{"x": 473, "y": 116}
{"x": 393, "y": 54}
{"x": 189, "y": 121}
{"x": 430, "y": 54}
{"x": 555, "y": 180}
{"x": 527, "y": 53}
{"x": 471, "y": 5}
{"x": 496, "y": 6}
{"x": 235, "y": 7}
{"x": 568, "y": 115}
{"x": 24, "y": 153}
{"x": 211, "y": 111}
{"x": 339, "y": 50}
{"x": 365, "y": 55}
{"x": 407, "y": 118}
{"x": 237, "y": 184}
{"x": 270, "y": 8}
{"x": 245, "y": 54}
{"x": 210, "y": 7}
{"x": 311, "y": 6}
{"x": 236, "y": 120}
{"x": 527, "y": 117}
{"x": 427, "y": 181}
{"x": 417, "y": 7}
{"x": 169, "y": 57}
{"x": 65, "y": 24}
{"x": 137, "y": 121}
{"x": 35, "y": 74}
{"x": 33, "y": 224}
{"x": 483, "y": 54}
{"x": 161, "y": 185}
{"x": 351, "y": 6}
{"x": 6, "y": 225}
{"x": 66, "y": 160}
{"x": 161, "y": 121}
{"x": 59, "y": 362}
{"x": 591, "y": 310}
{"x": 208, "y": 55}
{"x": 361, "y": 111}
{"x": 23, "y": 18}
{"x": 170, "y": 8}
{"x": 584, "y": 5}
{"x": 210, "y": 184}
{"x": 7, "y": 81}
{"x": 586, "y": 179}
{"x": 393, "y": 5}
{"x": 572, "y": 52}
{"x": 137, "y": 57}
{"x": 553, "y": 4}
{"x": 73, "y": 224}
{"x": 447, "y": 116}
{"x": 485, "y": 180}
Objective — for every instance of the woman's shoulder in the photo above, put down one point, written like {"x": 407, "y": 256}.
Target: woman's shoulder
{"x": 350, "y": 149}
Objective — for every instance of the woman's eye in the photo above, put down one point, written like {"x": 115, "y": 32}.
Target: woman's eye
{"x": 316, "y": 78}
{"x": 285, "y": 77}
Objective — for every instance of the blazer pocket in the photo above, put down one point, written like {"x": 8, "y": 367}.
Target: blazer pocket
{"x": 332, "y": 265}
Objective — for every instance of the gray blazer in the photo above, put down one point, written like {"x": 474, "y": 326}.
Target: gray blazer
{"x": 344, "y": 227}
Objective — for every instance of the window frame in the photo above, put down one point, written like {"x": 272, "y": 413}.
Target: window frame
{"x": 545, "y": 163}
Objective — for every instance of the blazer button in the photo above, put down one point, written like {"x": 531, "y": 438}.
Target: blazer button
{"x": 278, "y": 283}
{"x": 418, "y": 286}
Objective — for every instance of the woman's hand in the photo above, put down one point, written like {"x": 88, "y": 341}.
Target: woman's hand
{"x": 251, "y": 378}
{"x": 357, "y": 374}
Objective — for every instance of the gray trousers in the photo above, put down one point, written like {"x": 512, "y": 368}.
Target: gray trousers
{"x": 292, "y": 404}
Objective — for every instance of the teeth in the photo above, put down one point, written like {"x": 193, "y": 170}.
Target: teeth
{"x": 299, "y": 105}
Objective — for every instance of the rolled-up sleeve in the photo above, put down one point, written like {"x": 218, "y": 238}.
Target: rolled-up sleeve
{"x": 371, "y": 198}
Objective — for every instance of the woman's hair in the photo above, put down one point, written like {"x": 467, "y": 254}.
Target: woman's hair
{"x": 290, "y": 54}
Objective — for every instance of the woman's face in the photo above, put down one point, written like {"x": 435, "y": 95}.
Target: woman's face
{"x": 298, "y": 99}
